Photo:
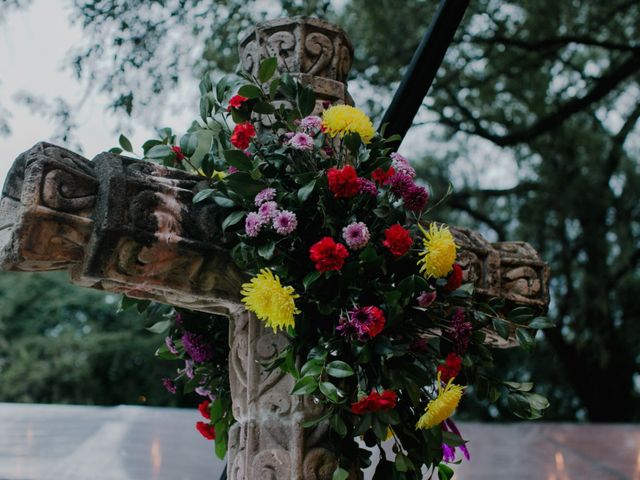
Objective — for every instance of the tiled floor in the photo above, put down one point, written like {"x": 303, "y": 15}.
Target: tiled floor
{"x": 52, "y": 442}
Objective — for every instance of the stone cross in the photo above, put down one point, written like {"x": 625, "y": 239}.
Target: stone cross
{"x": 128, "y": 226}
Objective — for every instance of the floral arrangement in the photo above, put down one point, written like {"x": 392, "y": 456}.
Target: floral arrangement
{"x": 333, "y": 230}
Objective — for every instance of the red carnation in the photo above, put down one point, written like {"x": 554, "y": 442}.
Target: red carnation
{"x": 328, "y": 255}
{"x": 242, "y": 135}
{"x": 381, "y": 177}
{"x": 179, "y": 155}
{"x": 375, "y": 402}
{"x": 343, "y": 182}
{"x": 207, "y": 430}
{"x": 397, "y": 240}
{"x": 450, "y": 368}
{"x": 455, "y": 279}
{"x": 236, "y": 102}
{"x": 205, "y": 409}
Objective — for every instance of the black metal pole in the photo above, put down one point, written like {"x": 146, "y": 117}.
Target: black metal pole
{"x": 424, "y": 65}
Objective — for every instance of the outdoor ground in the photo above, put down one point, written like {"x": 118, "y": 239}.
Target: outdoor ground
{"x": 54, "y": 442}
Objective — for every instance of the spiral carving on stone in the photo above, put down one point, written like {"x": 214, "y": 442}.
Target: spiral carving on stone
{"x": 281, "y": 45}
{"x": 68, "y": 192}
{"x": 319, "y": 464}
{"x": 320, "y": 50}
{"x": 273, "y": 464}
{"x": 250, "y": 57}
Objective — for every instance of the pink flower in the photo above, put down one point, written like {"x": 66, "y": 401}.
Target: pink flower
{"x": 264, "y": 196}
{"x": 301, "y": 141}
{"x": 169, "y": 385}
{"x": 367, "y": 186}
{"x": 310, "y": 123}
{"x": 253, "y": 224}
{"x": 285, "y": 222}
{"x": 426, "y": 298}
{"x": 268, "y": 210}
{"x": 231, "y": 170}
{"x": 401, "y": 165}
{"x": 356, "y": 235}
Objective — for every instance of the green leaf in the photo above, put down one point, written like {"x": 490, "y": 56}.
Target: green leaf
{"x": 521, "y": 386}
{"x": 306, "y": 101}
{"x": 525, "y": 338}
{"x": 160, "y": 327}
{"x": 340, "y": 474}
{"x": 452, "y": 439}
{"x": 249, "y": 91}
{"x": 188, "y": 144}
{"x": 224, "y": 202}
{"x": 125, "y": 143}
{"x": 217, "y": 410}
{"x": 160, "y": 152}
{"x": 339, "y": 369}
{"x": 232, "y": 219}
{"x": 338, "y": 425}
{"x": 541, "y": 322}
{"x": 164, "y": 353}
{"x": 127, "y": 302}
{"x": 330, "y": 391}
{"x": 379, "y": 428}
{"x": 267, "y": 68}
{"x": 205, "y": 140}
{"x": 266, "y": 250}
{"x": 304, "y": 192}
{"x": 305, "y": 386}
{"x": 502, "y": 327}
{"x": 203, "y": 194}
{"x": 238, "y": 159}
{"x": 264, "y": 108}
{"x": 273, "y": 88}
{"x": 310, "y": 278}
{"x": 242, "y": 184}
{"x": 312, "y": 367}
{"x": 221, "y": 446}
{"x": 444, "y": 472}
{"x": 403, "y": 463}
{"x": 352, "y": 141}
{"x": 149, "y": 144}
{"x": 315, "y": 421}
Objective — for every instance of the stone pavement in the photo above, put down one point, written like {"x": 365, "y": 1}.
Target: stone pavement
{"x": 55, "y": 442}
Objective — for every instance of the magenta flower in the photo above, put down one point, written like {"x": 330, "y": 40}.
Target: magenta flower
{"x": 310, "y": 123}
{"x": 401, "y": 165}
{"x": 253, "y": 223}
{"x": 460, "y": 331}
{"x": 170, "y": 345}
{"x": 415, "y": 198}
{"x": 285, "y": 222}
{"x": 231, "y": 170}
{"x": 356, "y": 235}
{"x": 301, "y": 141}
{"x": 197, "y": 347}
{"x": 400, "y": 184}
{"x": 448, "y": 452}
{"x": 264, "y": 196}
{"x": 268, "y": 210}
{"x": 426, "y": 298}
{"x": 367, "y": 186}
{"x": 169, "y": 385}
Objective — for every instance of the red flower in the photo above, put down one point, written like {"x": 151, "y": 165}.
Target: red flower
{"x": 242, "y": 135}
{"x": 397, "y": 240}
{"x": 236, "y": 102}
{"x": 206, "y": 430}
{"x": 375, "y": 402}
{"x": 450, "y": 368}
{"x": 455, "y": 279}
{"x": 343, "y": 182}
{"x": 381, "y": 177}
{"x": 205, "y": 409}
{"x": 179, "y": 155}
{"x": 328, "y": 255}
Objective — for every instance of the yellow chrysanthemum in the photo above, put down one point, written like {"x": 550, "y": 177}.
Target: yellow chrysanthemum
{"x": 272, "y": 302}
{"x": 442, "y": 407}
{"x": 219, "y": 174}
{"x": 439, "y": 252}
{"x": 342, "y": 119}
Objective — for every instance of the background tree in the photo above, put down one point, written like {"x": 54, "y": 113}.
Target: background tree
{"x": 547, "y": 87}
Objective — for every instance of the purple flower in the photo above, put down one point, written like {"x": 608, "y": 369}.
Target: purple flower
{"x": 169, "y": 385}
{"x": 460, "y": 331}
{"x": 178, "y": 318}
{"x": 197, "y": 347}
{"x": 268, "y": 210}
{"x": 253, "y": 224}
{"x": 367, "y": 186}
{"x": 301, "y": 141}
{"x": 231, "y": 170}
{"x": 401, "y": 165}
{"x": 168, "y": 341}
{"x": 416, "y": 198}
{"x": 328, "y": 151}
{"x": 426, "y": 298}
{"x": 264, "y": 196}
{"x": 285, "y": 222}
{"x": 356, "y": 235}
{"x": 400, "y": 184}
{"x": 310, "y": 123}
{"x": 205, "y": 392}
{"x": 448, "y": 452}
